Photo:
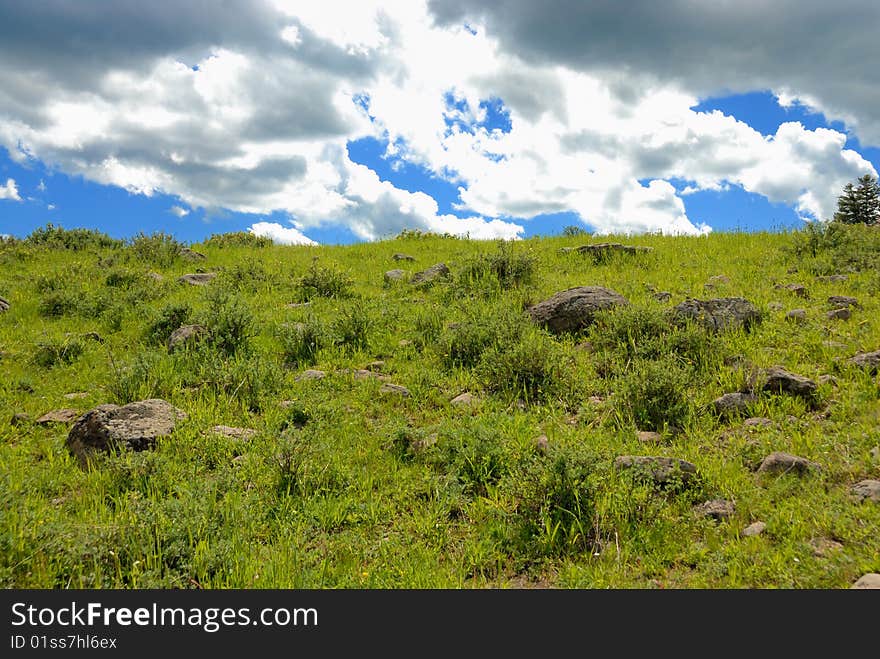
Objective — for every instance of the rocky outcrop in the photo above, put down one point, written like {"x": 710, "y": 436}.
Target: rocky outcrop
{"x": 719, "y": 313}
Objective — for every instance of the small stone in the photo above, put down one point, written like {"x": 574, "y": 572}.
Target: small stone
{"x": 375, "y": 366}
{"x": 4, "y": 305}
{"x": 432, "y": 274}
{"x": 649, "y": 436}
{"x": 76, "y": 395}
{"x": 197, "y": 278}
{"x": 663, "y": 296}
{"x": 733, "y": 403}
{"x": 542, "y": 444}
{"x": 19, "y": 418}
{"x": 719, "y": 279}
{"x": 234, "y": 433}
{"x": 403, "y": 343}
{"x": 297, "y": 305}
{"x": 779, "y": 381}
{"x": 776, "y": 306}
{"x": 843, "y": 301}
{"x": 394, "y": 275}
{"x": 400, "y": 390}
{"x": 796, "y": 315}
{"x": 828, "y": 379}
{"x": 870, "y": 361}
{"x": 574, "y": 309}
{"x": 867, "y": 490}
{"x": 757, "y": 422}
{"x": 403, "y": 257}
{"x": 466, "y": 398}
{"x": 839, "y": 314}
{"x": 786, "y": 463}
{"x": 187, "y": 336}
{"x": 824, "y": 546}
{"x": 753, "y": 529}
{"x": 155, "y": 276}
{"x": 833, "y": 344}
{"x": 798, "y": 289}
{"x": 660, "y": 470}
{"x": 192, "y": 255}
{"x": 869, "y": 581}
{"x": 58, "y": 416}
{"x": 832, "y": 278}
{"x": 875, "y": 454}
{"x": 311, "y": 374}
{"x": 717, "y": 509}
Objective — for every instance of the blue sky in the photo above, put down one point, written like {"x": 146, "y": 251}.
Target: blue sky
{"x": 473, "y": 144}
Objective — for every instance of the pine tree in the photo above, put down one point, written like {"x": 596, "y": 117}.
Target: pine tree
{"x": 859, "y": 204}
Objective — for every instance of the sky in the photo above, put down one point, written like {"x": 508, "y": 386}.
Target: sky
{"x": 336, "y": 122}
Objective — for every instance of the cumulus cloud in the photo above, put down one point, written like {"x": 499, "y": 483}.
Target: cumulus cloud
{"x": 9, "y": 191}
{"x": 251, "y": 108}
{"x": 280, "y": 234}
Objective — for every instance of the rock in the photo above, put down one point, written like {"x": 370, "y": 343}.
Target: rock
{"x": 395, "y": 275}
{"x": 828, "y": 379}
{"x": 843, "y": 301}
{"x": 136, "y": 427}
{"x": 461, "y": 400}
{"x": 187, "y": 335}
{"x": 719, "y": 279}
{"x": 869, "y": 581}
{"x": 76, "y": 395}
{"x": 717, "y": 509}
{"x": 297, "y": 305}
{"x": 19, "y": 418}
{"x": 4, "y": 304}
{"x": 779, "y": 381}
{"x": 663, "y": 296}
{"x": 659, "y": 470}
{"x": 375, "y": 366}
{"x": 403, "y": 257}
{"x": 542, "y": 444}
{"x": 311, "y": 374}
{"x": 390, "y": 388}
{"x": 839, "y": 314}
{"x": 875, "y": 454}
{"x": 833, "y": 344}
{"x": 234, "y": 433}
{"x": 362, "y": 374}
{"x": 867, "y": 490}
{"x": 155, "y": 276}
{"x": 601, "y": 251}
{"x": 834, "y": 278}
{"x": 734, "y": 403}
{"x": 58, "y": 416}
{"x": 870, "y": 361}
{"x": 798, "y": 289}
{"x": 757, "y": 422}
{"x": 432, "y": 274}
{"x": 753, "y": 529}
{"x": 574, "y": 309}
{"x": 197, "y": 278}
{"x": 719, "y": 313}
{"x": 776, "y": 306}
{"x": 403, "y": 343}
{"x": 785, "y": 463}
{"x": 649, "y": 436}
{"x": 191, "y": 254}
{"x": 796, "y": 315}
{"x": 823, "y": 546}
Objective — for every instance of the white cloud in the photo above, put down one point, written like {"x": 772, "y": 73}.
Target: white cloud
{"x": 50, "y": 207}
{"x": 280, "y": 234}
{"x": 9, "y": 191}
{"x": 42, "y": 186}
{"x": 179, "y": 211}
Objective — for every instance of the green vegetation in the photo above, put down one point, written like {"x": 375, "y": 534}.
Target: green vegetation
{"x": 347, "y": 482}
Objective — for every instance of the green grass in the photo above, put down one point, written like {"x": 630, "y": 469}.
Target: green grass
{"x": 353, "y": 486}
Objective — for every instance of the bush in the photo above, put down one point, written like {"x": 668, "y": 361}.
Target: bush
{"x": 533, "y": 369}
{"x": 166, "y": 320}
{"x": 324, "y": 282}
{"x": 571, "y": 231}
{"x": 505, "y": 267}
{"x": 462, "y": 344}
{"x": 833, "y": 247}
{"x": 229, "y": 322}
{"x": 57, "y": 351}
{"x": 158, "y": 248}
{"x": 474, "y": 455}
{"x": 655, "y": 395}
{"x": 300, "y": 342}
{"x": 53, "y": 237}
{"x": 247, "y": 274}
{"x": 237, "y": 239}
{"x": 60, "y": 302}
{"x": 125, "y": 279}
{"x": 351, "y": 327}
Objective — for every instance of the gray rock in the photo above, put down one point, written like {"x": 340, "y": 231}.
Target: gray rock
{"x": 155, "y": 276}
{"x": 4, "y": 304}
{"x": 779, "y": 381}
{"x": 719, "y": 313}
{"x": 542, "y": 444}
{"x": 403, "y": 257}
{"x": 197, "y": 278}
{"x": 717, "y": 509}
{"x": 776, "y": 306}
{"x": 390, "y": 388}
{"x": 663, "y": 296}
{"x": 136, "y": 427}
{"x": 824, "y": 546}
{"x": 867, "y": 489}
{"x": 839, "y": 314}
{"x": 843, "y": 301}
{"x": 734, "y": 403}
{"x": 58, "y": 416}
{"x": 76, "y": 395}
{"x": 786, "y": 463}
{"x": 191, "y": 254}
{"x": 755, "y": 528}
{"x": 717, "y": 280}
{"x": 649, "y": 436}
{"x": 394, "y": 275}
{"x": 659, "y": 470}
{"x": 432, "y": 274}
{"x": 233, "y": 433}
{"x": 297, "y": 305}
{"x": 798, "y": 289}
{"x": 601, "y": 251}
{"x": 833, "y": 278}
{"x": 19, "y": 418}
{"x": 869, "y": 581}
{"x": 311, "y": 374}
{"x": 757, "y": 422}
{"x": 574, "y": 309}
{"x": 796, "y": 315}
{"x": 464, "y": 399}
{"x": 187, "y": 335}
{"x": 828, "y": 379}
{"x": 870, "y": 361}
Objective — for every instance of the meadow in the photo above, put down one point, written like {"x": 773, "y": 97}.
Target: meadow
{"x": 354, "y": 461}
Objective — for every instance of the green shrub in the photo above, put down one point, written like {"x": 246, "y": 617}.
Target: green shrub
{"x": 300, "y": 342}
{"x": 571, "y": 231}
{"x": 833, "y": 247}
{"x": 533, "y": 369}
{"x": 473, "y": 454}
{"x": 166, "y": 320}
{"x": 322, "y": 281}
{"x": 505, "y": 268}
{"x": 462, "y": 344}
{"x": 124, "y": 279}
{"x": 158, "y": 248}
{"x": 246, "y": 274}
{"x": 60, "y": 302}
{"x": 350, "y": 328}
{"x": 237, "y": 239}
{"x": 655, "y": 395}
{"x": 53, "y": 237}
{"x": 57, "y": 351}
{"x": 229, "y": 321}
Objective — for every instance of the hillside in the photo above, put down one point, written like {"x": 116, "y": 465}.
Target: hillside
{"x": 324, "y": 441}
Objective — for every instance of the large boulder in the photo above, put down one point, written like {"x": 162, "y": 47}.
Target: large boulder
{"x": 718, "y": 313}
{"x": 135, "y": 427}
{"x": 432, "y": 274}
{"x": 737, "y": 403}
{"x": 574, "y": 309}
{"x": 779, "y": 381}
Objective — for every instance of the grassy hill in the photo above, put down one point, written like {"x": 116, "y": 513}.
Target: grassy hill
{"x": 350, "y": 481}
